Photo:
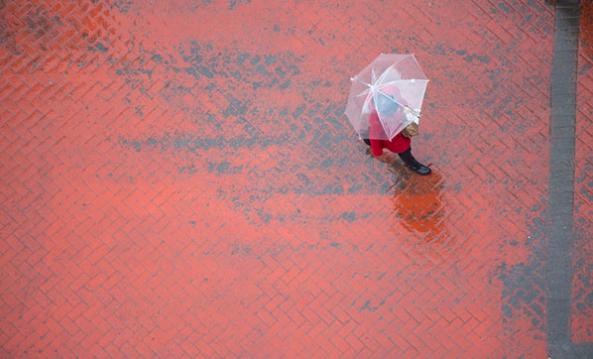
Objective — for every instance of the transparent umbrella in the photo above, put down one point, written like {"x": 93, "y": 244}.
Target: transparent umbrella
{"x": 393, "y": 87}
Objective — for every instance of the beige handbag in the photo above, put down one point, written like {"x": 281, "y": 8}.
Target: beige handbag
{"x": 411, "y": 130}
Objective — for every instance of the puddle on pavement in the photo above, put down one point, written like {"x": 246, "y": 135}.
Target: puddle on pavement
{"x": 418, "y": 203}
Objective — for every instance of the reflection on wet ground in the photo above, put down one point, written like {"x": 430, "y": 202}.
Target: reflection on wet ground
{"x": 418, "y": 203}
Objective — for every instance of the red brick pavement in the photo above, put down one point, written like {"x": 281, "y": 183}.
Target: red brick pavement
{"x": 178, "y": 180}
{"x": 582, "y": 310}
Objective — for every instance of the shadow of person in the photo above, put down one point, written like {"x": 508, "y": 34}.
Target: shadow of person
{"x": 418, "y": 203}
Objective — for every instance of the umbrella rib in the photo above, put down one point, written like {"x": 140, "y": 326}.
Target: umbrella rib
{"x": 366, "y": 102}
{"x": 363, "y": 93}
{"x": 392, "y": 66}
{"x": 401, "y": 80}
{"x": 360, "y": 81}
{"x": 384, "y": 74}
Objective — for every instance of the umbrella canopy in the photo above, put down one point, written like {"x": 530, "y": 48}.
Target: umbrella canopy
{"x": 392, "y": 87}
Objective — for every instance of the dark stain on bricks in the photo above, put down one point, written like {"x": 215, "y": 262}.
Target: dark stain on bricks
{"x": 471, "y": 57}
{"x": 157, "y": 58}
{"x": 139, "y": 111}
{"x": 298, "y": 112}
{"x": 355, "y": 188}
{"x": 333, "y": 189}
{"x": 191, "y": 143}
{"x": 7, "y": 38}
{"x": 223, "y": 167}
{"x": 524, "y": 284}
{"x": 265, "y": 217}
{"x": 242, "y": 72}
{"x": 349, "y": 216}
{"x": 205, "y": 61}
{"x": 234, "y": 3}
{"x": 285, "y": 85}
{"x": 332, "y": 115}
{"x": 253, "y": 210}
{"x": 190, "y": 169}
{"x": 129, "y": 70}
{"x": 313, "y": 127}
{"x": 583, "y": 274}
{"x": 37, "y": 22}
{"x": 136, "y": 145}
{"x": 269, "y": 59}
{"x": 99, "y": 47}
{"x": 235, "y": 107}
{"x": 197, "y": 71}
{"x": 524, "y": 292}
{"x": 240, "y": 249}
{"x": 327, "y": 163}
{"x": 367, "y": 306}
{"x": 194, "y": 58}
{"x": 303, "y": 178}
{"x": 172, "y": 90}
{"x": 446, "y": 50}
{"x": 123, "y": 6}
{"x": 504, "y": 7}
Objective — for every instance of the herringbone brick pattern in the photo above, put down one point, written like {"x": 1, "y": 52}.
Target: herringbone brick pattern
{"x": 178, "y": 180}
{"x": 582, "y": 310}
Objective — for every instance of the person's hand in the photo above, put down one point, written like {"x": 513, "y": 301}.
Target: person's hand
{"x": 411, "y": 130}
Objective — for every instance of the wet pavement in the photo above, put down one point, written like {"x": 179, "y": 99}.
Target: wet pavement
{"x": 178, "y": 180}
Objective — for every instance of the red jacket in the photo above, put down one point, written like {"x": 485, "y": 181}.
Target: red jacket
{"x": 398, "y": 144}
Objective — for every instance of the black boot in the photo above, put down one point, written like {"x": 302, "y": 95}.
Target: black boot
{"x": 413, "y": 164}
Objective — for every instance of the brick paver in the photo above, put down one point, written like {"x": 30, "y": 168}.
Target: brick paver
{"x": 178, "y": 180}
{"x": 582, "y": 309}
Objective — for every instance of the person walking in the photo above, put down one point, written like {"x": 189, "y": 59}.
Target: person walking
{"x": 401, "y": 144}
{"x": 384, "y": 105}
